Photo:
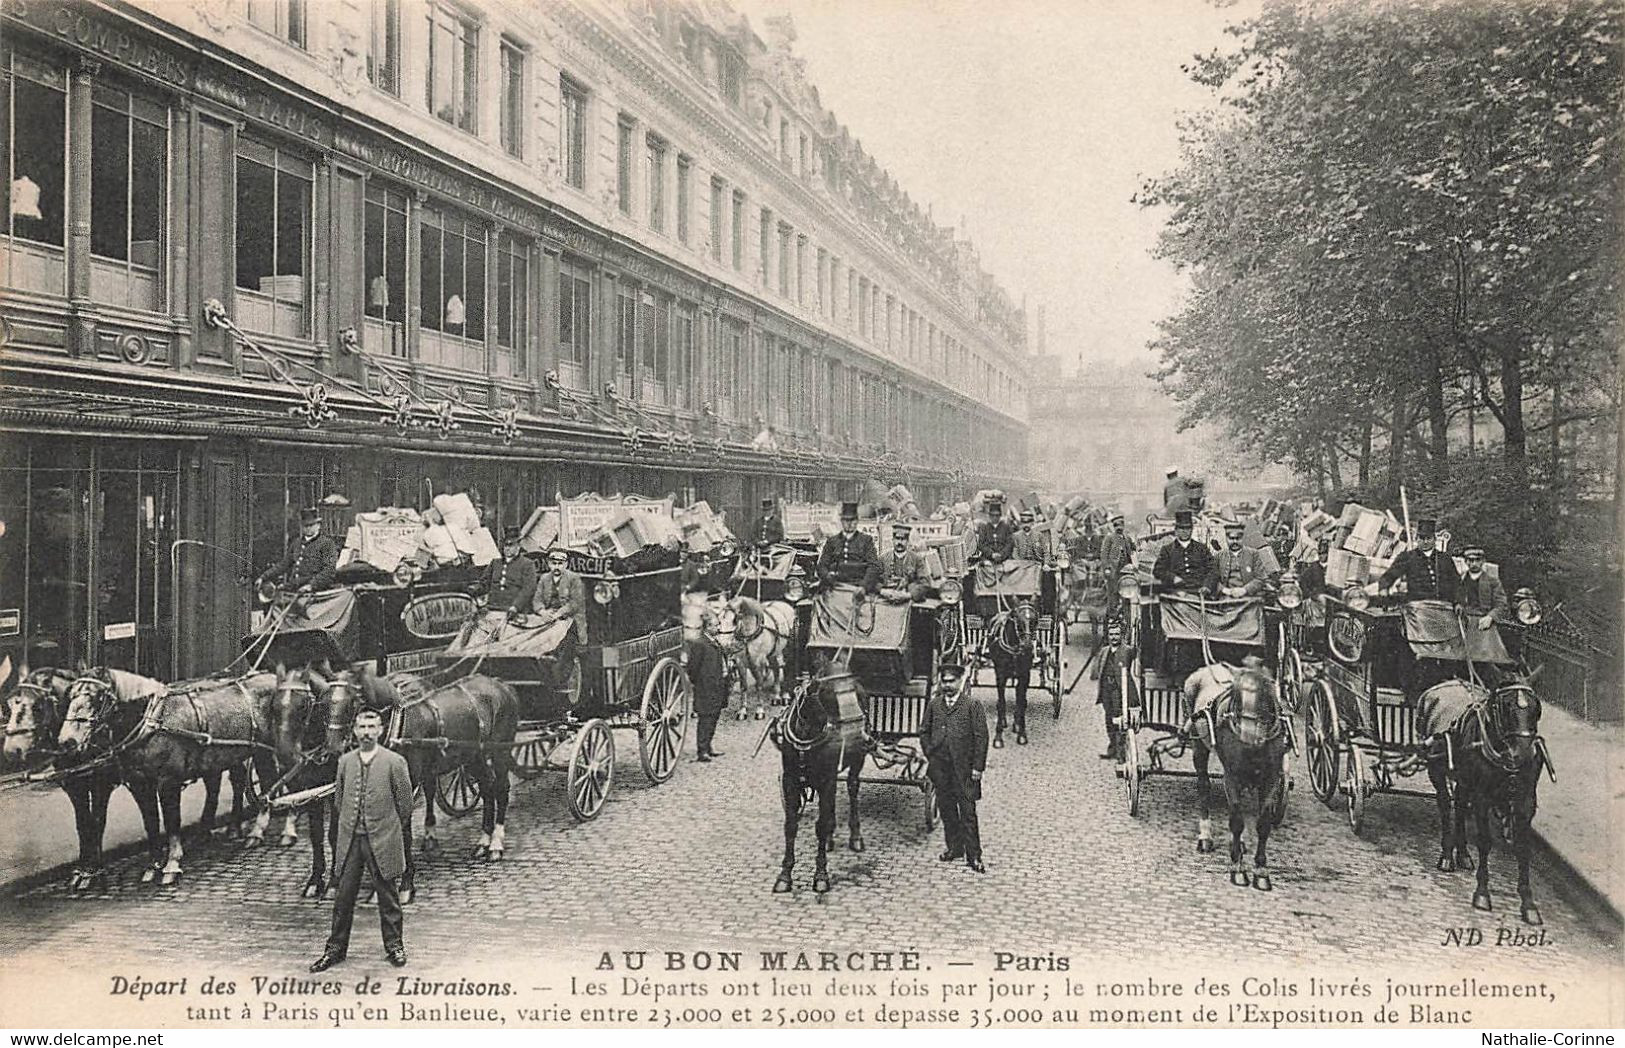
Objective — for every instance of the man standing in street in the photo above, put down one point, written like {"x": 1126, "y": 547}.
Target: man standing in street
{"x": 374, "y": 797}
{"x": 1108, "y": 670}
{"x": 1115, "y": 550}
{"x": 708, "y": 675}
{"x": 953, "y": 734}
{"x": 311, "y": 559}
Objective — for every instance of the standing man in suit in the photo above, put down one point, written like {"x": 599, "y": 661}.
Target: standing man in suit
{"x": 1114, "y": 657}
{"x": 708, "y": 675}
{"x": 374, "y": 796}
{"x": 953, "y": 734}
{"x": 850, "y": 557}
{"x": 1116, "y": 549}
{"x": 311, "y": 559}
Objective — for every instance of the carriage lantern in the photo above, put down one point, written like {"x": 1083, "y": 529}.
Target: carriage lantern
{"x": 1526, "y": 606}
{"x": 405, "y": 573}
{"x": 1063, "y": 560}
{"x": 608, "y": 589}
{"x": 1354, "y": 595}
{"x": 267, "y": 591}
{"x": 1291, "y": 591}
{"x": 1128, "y": 583}
{"x": 795, "y": 587}
{"x": 951, "y": 591}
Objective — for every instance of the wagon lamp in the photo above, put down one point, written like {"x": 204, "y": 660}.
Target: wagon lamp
{"x": 951, "y": 591}
{"x": 607, "y": 590}
{"x": 405, "y": 573}
{"x": 1063, "y": 561}
{"x": 1291, "y": 592}
{"x": 1526, "y": 606}
{"x": 795, "y": 587}
{"x": 1356, "y": 597}
{"x": 1128, "y": 584}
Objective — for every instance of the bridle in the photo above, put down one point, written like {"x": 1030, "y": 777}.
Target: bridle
{"x": 1237, "y": 712}
{"x": 1496, "y": 734}
{"x": 1019, "y": 620}
{"x": 46, "y": 702}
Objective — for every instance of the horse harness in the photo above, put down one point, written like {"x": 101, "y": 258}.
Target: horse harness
{"x": 483, "y": 714}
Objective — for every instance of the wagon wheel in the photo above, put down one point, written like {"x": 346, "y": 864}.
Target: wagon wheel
{"x": 570, "y": 690}
{"x": 592, "y": 770}
{"x": 1292, "y": 679}
{"x": 459, "y": 792}
{"x": 930, "y": 792}
{"x": 663, "y": 719}
{"x": 1356, "y": 788}
{"x": 1321, "y": 749}
{"x": 1131, "y": 770}
{"x": 530, "y": 756}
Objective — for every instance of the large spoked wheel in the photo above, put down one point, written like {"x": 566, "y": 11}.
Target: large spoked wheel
{"x": 1321, "y": 746}
{"x": 1131, "y": 771}
{"x": 930, "y": 792}
{"x": 530, "y": 756}
{"x": 570, "y": 690}
{"x": 663, "y": 719}
{"x": 458, "y": 792}
{"x": 1356, "y": 788}
{"x": 1292, "y": 683}
{"x": 592, "y": 770}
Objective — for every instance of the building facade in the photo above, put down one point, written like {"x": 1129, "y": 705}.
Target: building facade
{"x": 262, "y": 252}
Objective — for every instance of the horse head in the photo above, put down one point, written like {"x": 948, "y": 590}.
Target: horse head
{"x": 698, "y": 618}
{"x": 293, "y": 714}
{"x": 90, "y": 700}
{"x": 1512, "y": 721}
{"x": 1015, "y": 628}
{"x": 745, "y": 618}
{"x": 1252, "y": 706}
{"x": 34, "y": 711}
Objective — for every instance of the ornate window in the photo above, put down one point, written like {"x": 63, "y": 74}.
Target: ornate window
{"x": 512, "y": 116}
{"x": 384, "y": 254}
{"x": 573, "y": 133}
{"x": 34, "y": 112}
{"x": 129, "y": 155}
{"x": 273, "y": 238}
{"x": 452, "y": 266}
{"x": 384, "y": 54}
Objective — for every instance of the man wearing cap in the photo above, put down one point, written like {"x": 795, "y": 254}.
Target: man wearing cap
{"x": 311, "y": 558}
{"x": 1115, "y": 551}
{"x": 1026, "y": 544}
{"x": 850, "y": 556}
{"x": 509, "y": 584}
{"x": 953, "y": 734}
{"x": 696, "y": 573}
{"x": 1428, "y": 573}
{"x": 560, "y": 594}
{"x": 1172, "y": 488}
{"x": 769, "y": 527}
{"x": 1243, "y": 571}
{"x": 994, "y": 540}
{"x": 903, "y": 575}
{"x": 1183, "y": 565}
{"x": 1478, "y": 592}
{"x": 1115, "y": 656}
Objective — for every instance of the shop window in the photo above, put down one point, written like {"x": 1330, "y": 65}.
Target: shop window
{"x": 129, "y": 153}
{"x": 573, "y": 132}
{"x": 384, "y": 54}
{"x": 513, "y": 99}
{"x": 513, "y": 304}
{"x": 134, "y": 516}
{"x": 655, "y": 167}
{"x": 34, "y": 110}
{"x": 452, "y": 268}
{"x": 684, "y": 373}
{"x": 454, "y": 64}
{"x": 623, "y": 165}
{"x": 575, "y": 323}
{"x": 284, "y": 19}
{"x": 279, "y": 486}
{"x": 385, "y": 259}
{"x": 273, "y": 238}
{"x": 655, "y": 338}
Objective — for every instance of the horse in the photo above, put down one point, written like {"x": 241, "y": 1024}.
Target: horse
{"x": 1248, "y": 726}
{"x": 308, "y": 740}
{"x": 755, "y": 633}
{"x": 466, "y": 723}
{"x": 1010, "y": 644}
{"x": 1492, "y": 752}
{"x": 812, "y": 755}
{"x": 163, "y": 738}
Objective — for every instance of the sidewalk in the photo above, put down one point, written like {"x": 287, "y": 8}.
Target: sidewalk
{"x": 1581, "y": 816}
{"x": 37, "y": 827}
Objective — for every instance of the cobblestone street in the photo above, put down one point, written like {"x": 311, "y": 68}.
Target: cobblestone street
{"x": 690, "y": 865}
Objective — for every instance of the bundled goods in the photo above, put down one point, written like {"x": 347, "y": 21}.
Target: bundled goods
{"x": 383, "y": 538}
{"x": 541, "y": 530}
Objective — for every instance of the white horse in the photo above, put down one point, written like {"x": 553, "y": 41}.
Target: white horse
{"x": 755, "y": 634}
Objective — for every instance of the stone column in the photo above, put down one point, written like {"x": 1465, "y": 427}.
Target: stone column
{"x": 81, "y": 325}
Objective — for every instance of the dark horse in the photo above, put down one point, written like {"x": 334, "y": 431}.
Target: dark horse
{"x": 308, "y": 738}
{"x": 467, "y": 723}
{"x": 1247, "y": 725}
{"x": 812, "y": 751}
{"x": 1492, "y": 754}
{"x": 1010, "y": 646}
{"x": 158, "y": 738}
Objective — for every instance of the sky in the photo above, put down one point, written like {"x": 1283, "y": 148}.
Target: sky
{"x": 1030, "y": 123}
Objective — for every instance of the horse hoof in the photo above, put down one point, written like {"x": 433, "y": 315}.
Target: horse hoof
{"x": 1447, "y": 864}
{"x": 1239, "y": 878}
{"x": 481, "y": 851}
{"x": 312, "y": 890}
{"x": 781, "y": 885}
{"x": 855, "y": 843}
{"x": 148, "y": 876}
{"x": 998, "y": 742}
{"x": 1531, "y": 914}
{"x": 431, "y": 845}
{"x": 761, "y": 714}
{"x": 407, "y": 895}
{"x": 1465, "y": 862}
{"x": 1204, "y": 846}
{"x": 1021, "y": 738}
{"x": 252, "y": 842}
{"x": 494, "y": 855}
{"x": 1262, "y": 882}
{"x": 287, "y": 840}
{"x": 820, "y": 883}
{"x": 1481, "y": 901}
{"x": 169, "y": 880}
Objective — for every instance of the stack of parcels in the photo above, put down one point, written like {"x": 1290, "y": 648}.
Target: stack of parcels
{"x": 454, "y": 531}
{"x": 629, "y": 531}
{"x": 382, "y": 538}
{"x": 1364, "y": 545}
{"x": 444, "y": 535}
{"x": 541, "y": 530}
{"x": 702, "y": 529}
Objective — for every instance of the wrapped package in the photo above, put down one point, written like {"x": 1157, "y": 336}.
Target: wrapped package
{"x": 540, "y": 531}
{"x": 438, "y": 541}
{"x": 1364, "y": 537}
{"x": 1344, "y": 568}
{"x": 387, "y": 536}
{"x": 478, "y": 544}
{"x": 458, "y": 512}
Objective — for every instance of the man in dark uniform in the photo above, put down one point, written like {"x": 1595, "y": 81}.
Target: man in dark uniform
{"x": 1241, "y": 570}
{"x": 708, "y": 675}
{"x": 769, "y": 527}
{"x": 1428, "y": 573}
{"x": 994, "y": 540}
{"x": 1027, "y": 545}
{"x": 696, "y": 574}
{"x": 850, "y": 557}
{"x": 509, "y": 583}
{"x": 1480, "y": 594}
{"x": 953, "y": 734}
{"x": 1184, "y": 565}
{"x": 311, "y": 559}
{"x": 1114, "y": 656}
{"x": 1116, "y": 549}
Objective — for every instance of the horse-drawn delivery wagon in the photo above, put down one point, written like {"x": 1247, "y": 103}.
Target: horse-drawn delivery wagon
{"x": 1012, "y": 612}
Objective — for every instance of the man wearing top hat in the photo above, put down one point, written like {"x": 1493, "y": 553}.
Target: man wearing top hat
{"x": 953, "y": 734}
{"x": 1184, "y": 565}
{"x": 903, "y": 575}
{"x": 311, "y": 559}
{"x": 850, "y": 556}
{"x": 994, "y": 540}
{"x": 1240, "y": 570}
{"x": 509, "y": 583}
{"x": 1428, "y": 573}
{"x": 1478, "y": 593}
{"x": 769, "y": 527}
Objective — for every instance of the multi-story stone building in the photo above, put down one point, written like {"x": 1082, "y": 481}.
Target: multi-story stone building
{"x": 259, "y": 252}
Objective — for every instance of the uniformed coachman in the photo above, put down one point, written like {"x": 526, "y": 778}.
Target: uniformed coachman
{"x": 311, "y": 560}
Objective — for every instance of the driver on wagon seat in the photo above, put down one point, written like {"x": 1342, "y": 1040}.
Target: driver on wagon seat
{"x": 850, "y": 557}
{"x": 903, "y": 575}
{"x": 311, "y": 559}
